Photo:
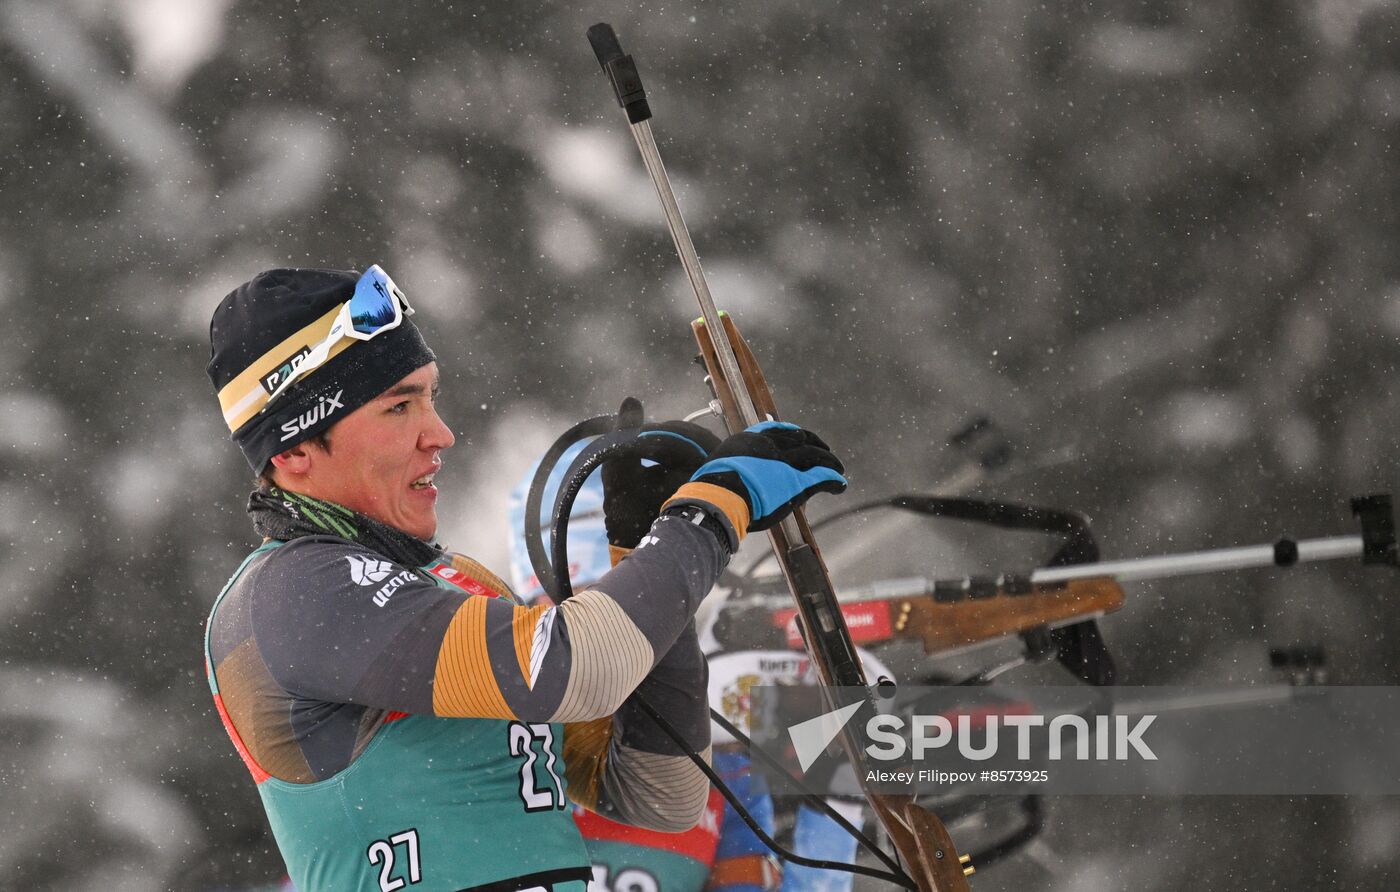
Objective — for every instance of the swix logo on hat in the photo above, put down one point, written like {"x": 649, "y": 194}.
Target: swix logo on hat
{"x": 318, "y": 412}
{"x": 287, "y": 366}
{"x": 367, "y": 571}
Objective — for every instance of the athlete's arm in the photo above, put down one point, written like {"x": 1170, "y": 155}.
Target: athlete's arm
{"x": 627, "y": 768}
{"x": 581, "y": 659}
{"x": 334, "y": 621}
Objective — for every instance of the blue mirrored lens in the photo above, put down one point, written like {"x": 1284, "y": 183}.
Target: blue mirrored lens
{"x": 373, "y": 305}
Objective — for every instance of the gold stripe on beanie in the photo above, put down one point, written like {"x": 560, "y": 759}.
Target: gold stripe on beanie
{"x": 245, "y": 395}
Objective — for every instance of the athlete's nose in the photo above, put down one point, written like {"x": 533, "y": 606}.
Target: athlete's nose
{"x": 438, "y": 435}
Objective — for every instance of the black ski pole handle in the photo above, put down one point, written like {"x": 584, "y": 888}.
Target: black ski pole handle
{"x": 621, "y": 71}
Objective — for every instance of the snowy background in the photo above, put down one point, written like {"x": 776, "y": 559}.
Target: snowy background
{"x": 1155, "y": 241}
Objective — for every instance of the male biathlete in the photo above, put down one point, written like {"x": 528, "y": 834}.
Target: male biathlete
{"x": 408, "y": 723}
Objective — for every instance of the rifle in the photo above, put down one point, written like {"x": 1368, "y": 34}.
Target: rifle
{"x": 931, "y": 861}
{"x": 950, "y": 614}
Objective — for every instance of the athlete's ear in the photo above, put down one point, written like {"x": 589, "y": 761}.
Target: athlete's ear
{"x": 295, "y": 462}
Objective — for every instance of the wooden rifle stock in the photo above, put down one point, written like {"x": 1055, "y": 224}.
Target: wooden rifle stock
{"x": 980, "y": 615}
{"x": 943, "y": 626}
{"x": 754, "y": 381}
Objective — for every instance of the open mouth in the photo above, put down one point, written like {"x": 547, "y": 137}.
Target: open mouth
{"x": 423, "y": 482}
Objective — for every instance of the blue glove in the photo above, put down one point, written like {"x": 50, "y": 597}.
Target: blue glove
{"x": 774, "y": 467}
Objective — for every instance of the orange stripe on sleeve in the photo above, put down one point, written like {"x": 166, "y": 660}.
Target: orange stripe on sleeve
{"x": 463, "y": 684}
{"x": 731, "y": 503}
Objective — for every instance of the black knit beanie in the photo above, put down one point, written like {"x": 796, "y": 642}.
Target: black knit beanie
{"x": 259, "y": 329}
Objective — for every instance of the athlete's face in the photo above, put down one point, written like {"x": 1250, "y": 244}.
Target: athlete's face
{"x": 383, "y": 456}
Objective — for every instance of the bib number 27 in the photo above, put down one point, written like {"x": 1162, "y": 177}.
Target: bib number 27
{"x": 381, "y": 854}
{"x": 534, "y": 795}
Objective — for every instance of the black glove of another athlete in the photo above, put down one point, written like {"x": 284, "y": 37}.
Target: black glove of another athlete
{"x": 633, "y": 492}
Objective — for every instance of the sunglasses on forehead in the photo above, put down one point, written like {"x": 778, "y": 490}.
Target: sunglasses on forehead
{"x": 376, "y": 307}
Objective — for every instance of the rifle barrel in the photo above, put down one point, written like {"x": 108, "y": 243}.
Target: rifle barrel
{"x": 680, "y": 234}
{"x": 1128, "y": 570}
{"x": 1210, "y": 561}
